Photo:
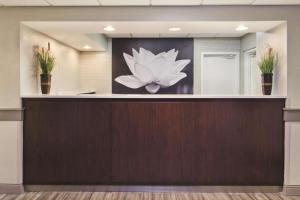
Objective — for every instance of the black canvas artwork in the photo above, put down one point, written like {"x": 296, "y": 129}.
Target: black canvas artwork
{"x": 152, "y": 66}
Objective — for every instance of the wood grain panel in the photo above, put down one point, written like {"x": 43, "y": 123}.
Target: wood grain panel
{"x": 146, "y": 143}
{"x": 207, "y": 142}
{"x": 67, "y": 142}
{"x": 154, "y": 141}
{"x": 233, "y": 143}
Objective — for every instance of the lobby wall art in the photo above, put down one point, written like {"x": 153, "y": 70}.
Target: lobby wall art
{"x": 152, "y": 66}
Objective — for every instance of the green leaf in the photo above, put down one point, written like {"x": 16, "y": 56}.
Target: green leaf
{"x": 46, "y": 61}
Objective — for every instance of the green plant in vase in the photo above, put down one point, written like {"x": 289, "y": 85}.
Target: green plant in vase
{"x": 46, "y": 61}
{"x": 266, "y": 66}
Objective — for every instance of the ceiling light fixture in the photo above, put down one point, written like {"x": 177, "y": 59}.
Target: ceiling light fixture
{"x": 87, "y": 47}
{"x": 241, "y": 28}
{"x": 109, "y": 28}
{"x": 174, "y": 29}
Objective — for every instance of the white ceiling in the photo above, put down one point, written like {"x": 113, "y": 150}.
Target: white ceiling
{"x": 143, "y": 2}
{"x": 75, "y": 34}
{"x": 153, "y": 27}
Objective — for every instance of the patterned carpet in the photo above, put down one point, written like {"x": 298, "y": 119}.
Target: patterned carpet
{"x": 145, "y": 196}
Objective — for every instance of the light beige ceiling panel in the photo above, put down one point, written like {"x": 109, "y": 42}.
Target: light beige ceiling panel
{"x": 74, "y": 2}
{"x": 175, "y": 2}
{"x": 227, "y": 2}
{"x": 276, "y": 2}
{"x": 124, "y": 2}
{"x": 24, "y": 3}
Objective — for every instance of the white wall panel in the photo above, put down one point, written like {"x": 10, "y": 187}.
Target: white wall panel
{"x": 292, "y": 153}
{"x": 11, "y": 152}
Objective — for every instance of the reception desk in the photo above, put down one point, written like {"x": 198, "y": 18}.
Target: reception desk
{"x": 153, "y": 140}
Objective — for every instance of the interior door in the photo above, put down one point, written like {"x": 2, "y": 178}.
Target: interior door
{"x": 220, "y": 73}
{"x": 252, "y": 79}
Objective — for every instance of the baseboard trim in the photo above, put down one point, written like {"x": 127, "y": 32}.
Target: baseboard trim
{"x": 291, "y": 115}
{"x": 291, "y": 190}
{"x": 11, "y": 188}
{"x": 114, "y": 188}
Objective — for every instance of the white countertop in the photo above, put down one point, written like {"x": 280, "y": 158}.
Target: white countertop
{"x": 153, "y": 96}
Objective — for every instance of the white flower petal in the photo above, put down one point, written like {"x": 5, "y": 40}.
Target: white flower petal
{"x": 129, "y": 61}
{"x": 143, "y": 73}
{"x": 148, "y": 56}
{"x": 172, "y": 55}
{"x": 161, "y": 66}
{"x": 152, "y": 88}
{"x": 147, "y": 53}
{"x": 180, "y": 65}
{"x": 171, "y": 51}
{"x": 160, "y": 54}
{"x": 161, "y": 70}
{"x": 171, "y": 79}
{"x": 136, "y": 56}
{"x": 130, "y": 81}
{"x": 141, "y": 52}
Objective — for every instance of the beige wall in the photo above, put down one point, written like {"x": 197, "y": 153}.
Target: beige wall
{"x": 65, "y": 75}
{"x": 248, "y": 42}
{"x": 10, "y": 19}
{"x": 96, "y": 71}
{"x": 276, "y": 38}
{"x": 10, "y": 156}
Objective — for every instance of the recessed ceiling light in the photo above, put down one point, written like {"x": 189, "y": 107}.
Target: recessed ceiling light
{"x": 109, "y": 28}
{"x": 87, "y": 47}
{"x": 241, "y": 28}
{"x": 174, "y": 29}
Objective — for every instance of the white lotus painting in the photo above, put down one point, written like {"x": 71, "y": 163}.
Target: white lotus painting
{"x": 152, "y": 72}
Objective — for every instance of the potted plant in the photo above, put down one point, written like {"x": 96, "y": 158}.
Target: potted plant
{"x": 266, "y": 66}
{"x": 46, "y": 61}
